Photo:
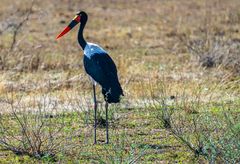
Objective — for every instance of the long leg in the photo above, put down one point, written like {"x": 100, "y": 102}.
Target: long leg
{"x": 107, "y": 138}
{"x": 95, "y": 114}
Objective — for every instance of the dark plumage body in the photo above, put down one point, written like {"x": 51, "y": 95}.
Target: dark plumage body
{"x": 102, "y": 69}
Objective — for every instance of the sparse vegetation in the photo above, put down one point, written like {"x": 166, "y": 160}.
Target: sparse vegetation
{"x": 178, "y": 63}
{"x": 218, "y": 53}
{"x": 207, "y": 130}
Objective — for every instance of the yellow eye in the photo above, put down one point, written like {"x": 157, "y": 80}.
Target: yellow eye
{"x": 75, "y": 17}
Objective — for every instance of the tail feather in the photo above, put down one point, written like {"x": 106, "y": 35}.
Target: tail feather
{"x": 112, "y": 93}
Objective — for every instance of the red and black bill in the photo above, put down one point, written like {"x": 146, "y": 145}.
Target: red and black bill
{"x": 73, "y": 23}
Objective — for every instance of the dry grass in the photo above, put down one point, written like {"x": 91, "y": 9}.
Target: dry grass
{"x": 151, "y": 43}
{"x": 147, "y": 41}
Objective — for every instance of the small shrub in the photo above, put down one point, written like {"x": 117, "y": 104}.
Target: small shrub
{"x": 217, "y": 52}
{"x": 214, "y": 136}
{"x": 208, "y": 130}
{"x": 37, "y": 127}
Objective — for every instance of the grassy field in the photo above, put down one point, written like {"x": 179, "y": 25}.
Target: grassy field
{"x": 178, "y": 63}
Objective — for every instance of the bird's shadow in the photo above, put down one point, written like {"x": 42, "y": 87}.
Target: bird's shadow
{"x": 101, "y": 122}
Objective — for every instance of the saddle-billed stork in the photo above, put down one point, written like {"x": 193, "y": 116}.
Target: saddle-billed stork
{"x": 99, "y": 66}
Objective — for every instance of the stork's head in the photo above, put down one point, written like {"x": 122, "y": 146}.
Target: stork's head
{"x": 80, "y": 17}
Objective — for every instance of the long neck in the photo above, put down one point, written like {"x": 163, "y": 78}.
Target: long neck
{"x": 81, "y": 39}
